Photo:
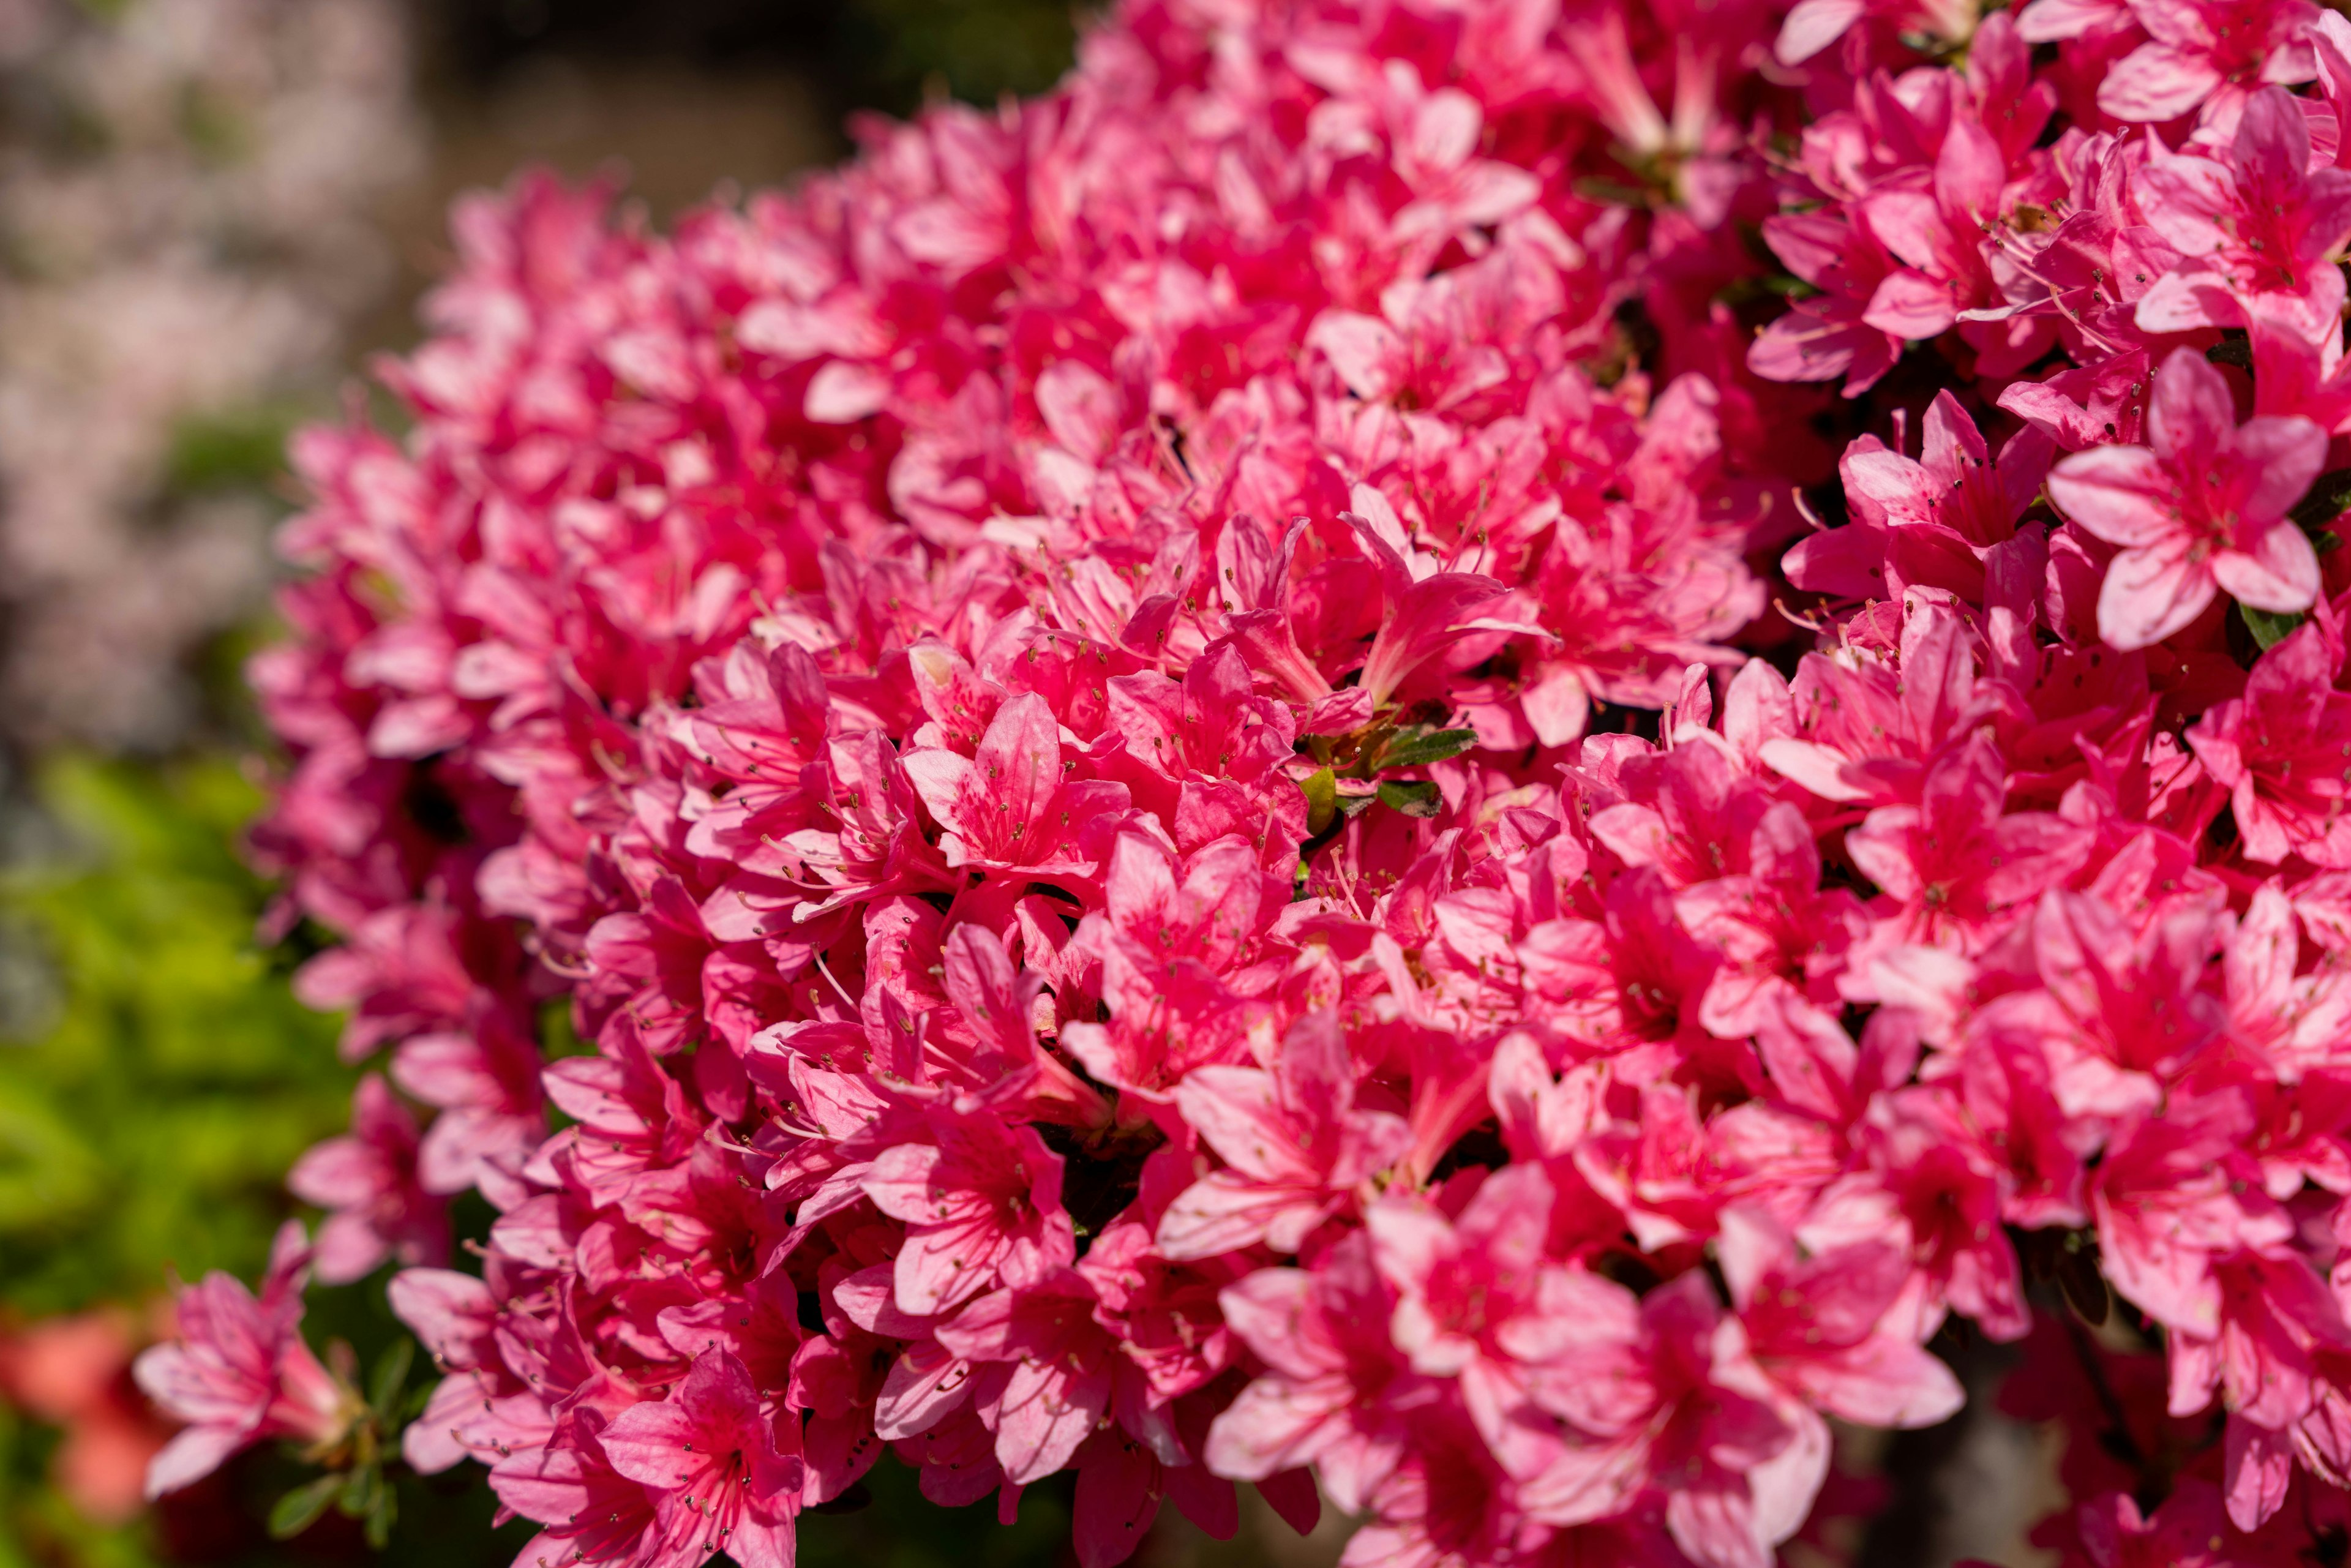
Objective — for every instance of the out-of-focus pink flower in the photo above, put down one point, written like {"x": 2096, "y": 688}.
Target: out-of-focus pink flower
{"x": 369, "y": 1180}
{"x": 240, "y": 1372}
{"x": 73, "y": 1372}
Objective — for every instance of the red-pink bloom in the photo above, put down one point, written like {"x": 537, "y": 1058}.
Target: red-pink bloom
{"x": 2257, "y": 224}
{"x": 1295, "y": 1143}
{"x": 1336, "y": 1393}
{"x": 723, "y": 1472}
{"x": 1955, "y": 869}
{"x": 240, "y": 1372}
{"x": 2278, "y": 751}
{"x": 1185, "y": 676}
{"x": 1929, "y": 520}
{"x": 2186, "y": 1532}
{"x": 1006, "y": 806}
{"x": 2200, "y": 510}
{"x": 1818, "y": 1325}
{"x": 1047, "y": 1370}
{"x": 981, "y": 1203}
{"x": 370, "y": 1180}
{"x": 1813, "y": 25}
{"x": 2170, "y": 1198}
{"x": 2206, "y": 51}
{"x": 1829, "y": 336}
{"x": 1669, "y": 1388}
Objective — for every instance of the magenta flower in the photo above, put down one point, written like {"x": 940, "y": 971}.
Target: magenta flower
{"x": 1337, "y": 1391}
{"x": 1295, "y": 1147}
{"x": 2277, "y": 750}
{"x": 2207, "y": 52}
{"x": 722, "y": 1472}
{"x": 240, "y": 1372}
{"x": 370, "y": 1180}
{"x": 2199, "y": 510}
{"x": 1047, "y": 1370}
{"x": 979, "y": 1202}
{"x": 1818, "y": 1324}
{"x": 2257, "y": 224}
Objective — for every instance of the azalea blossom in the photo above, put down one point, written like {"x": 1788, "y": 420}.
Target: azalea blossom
{"x": 240, "y": 1371}
{"x": 2200, "y": 510}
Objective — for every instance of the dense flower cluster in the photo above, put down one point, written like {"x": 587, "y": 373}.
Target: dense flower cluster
{"x": 1229, "y": 791}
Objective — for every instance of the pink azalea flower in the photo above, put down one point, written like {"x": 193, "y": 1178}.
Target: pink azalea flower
{"x": 722, "y": 1472}
{"x": 2276, "y": 750}
{"x": 2257, "y": 225}
{"x": 2168, "y": 1199}
{"x": 1813, "y": 25}
{"x": 2202, "y": 510}
{"x": 1186, "y": 674}
{"x": 982, "y": 1202}
{"x": 1047, "y": 1370}
{"x": 1829, "y": 337}
{"x": 1930, "y": 520}
{"x": 2205, "y": 51}
{"x": 1335, "y": 1392}
{"x": 1818, "y": 1325}
{"x": 1295, "y": 1147}
{"x": 240, "y": 1372}
{"x": 1671, "y": 1388}
{"x": 370, "y": 1180}
{"x": 1955, "y": 866}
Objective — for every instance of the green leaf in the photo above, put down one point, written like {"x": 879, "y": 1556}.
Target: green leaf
{"x": 380, "y": 1518}
{"x": 240, "y": 449}
{"x": 390, "y": 1375}
{"x": 2269, "y": 629}
{"x": 1416, "y": 798}
{"x": 1430, "y": 745}
{"x": 299, "y": 1510}
{"x": 359, "y": 1487}
{"x": 1322, "y": 792}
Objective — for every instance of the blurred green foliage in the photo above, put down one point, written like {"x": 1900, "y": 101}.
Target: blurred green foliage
{"x": 240, "y": 448}
{"x": 149, "y": 1125}
{"x": 976, "y": 50}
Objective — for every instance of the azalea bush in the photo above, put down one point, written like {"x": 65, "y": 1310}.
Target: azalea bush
{"x": 1463, "y": 761}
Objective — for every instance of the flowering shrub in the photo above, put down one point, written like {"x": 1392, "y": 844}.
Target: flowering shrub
{"x": 1237, "y": 783}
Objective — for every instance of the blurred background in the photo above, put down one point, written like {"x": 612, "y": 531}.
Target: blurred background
{"x": 213, "y": 214}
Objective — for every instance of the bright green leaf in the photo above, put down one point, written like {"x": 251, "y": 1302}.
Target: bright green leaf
{"x": 1430, "y": 745}
{"x": 1322, "y": 792}
{"x": 2269, "y": 629}
{"x": 1416, "y": 797}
